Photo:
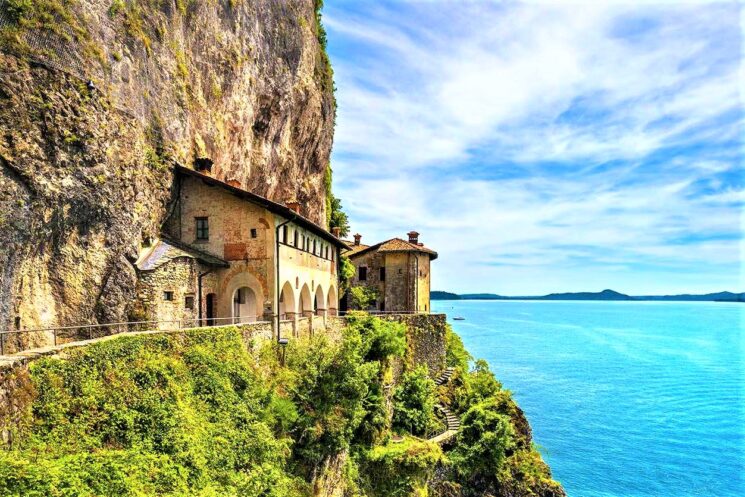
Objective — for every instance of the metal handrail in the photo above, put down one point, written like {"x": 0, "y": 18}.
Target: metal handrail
{"x": 197, "y": 323}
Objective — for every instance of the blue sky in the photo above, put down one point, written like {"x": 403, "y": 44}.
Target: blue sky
{"x": 542, "y": 146}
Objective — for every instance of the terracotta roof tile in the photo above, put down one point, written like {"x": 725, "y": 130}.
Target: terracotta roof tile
{"x": 392, "y": 245}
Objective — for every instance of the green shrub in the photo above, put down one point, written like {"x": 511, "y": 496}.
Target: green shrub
{"x": 363, "y": 297}
{"x": 456, "y": 354}
{"x": 381, "y": 340}
{"x": 191, "y": 408}
{"x": 400, "y": 468}
{"x": 482, "y": 442}
{"x": 414, "y": 402}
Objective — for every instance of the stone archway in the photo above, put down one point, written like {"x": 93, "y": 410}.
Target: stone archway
{"x": 241, "y": 296}
{"x": 319, "y": 302}
{"x": 306, "y": 301}
{"x": 332, "y": 302}
{"x": 287, "y": 307}
{"x": 245, "y": 306}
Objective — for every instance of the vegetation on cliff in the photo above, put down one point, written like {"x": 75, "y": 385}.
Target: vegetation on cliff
{"x": 201, "y": 413}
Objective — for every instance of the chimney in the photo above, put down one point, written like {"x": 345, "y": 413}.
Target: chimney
{"x": 357, "y": 238}
{"x": 413, "y": 237}
{"x": 203, "y": 165}
{"x": 336, "y": 231}
{"x": 293, "y": 205}
{"x": 234, "y": 182}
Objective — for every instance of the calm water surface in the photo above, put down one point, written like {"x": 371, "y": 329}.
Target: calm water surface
{"x": 625, "y": 398}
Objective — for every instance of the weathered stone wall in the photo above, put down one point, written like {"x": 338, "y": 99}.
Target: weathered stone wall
{"x": 425, "y": 339}
{"x": 178, "y": 276}
{"x": 407, "y": 280}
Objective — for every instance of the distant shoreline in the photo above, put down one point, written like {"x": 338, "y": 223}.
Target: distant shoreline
{"x": 605, "y": 295}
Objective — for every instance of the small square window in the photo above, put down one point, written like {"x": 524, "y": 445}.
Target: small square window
{"x": 189, "y": 302}
{"x": 203, "y": 228}
{"x": 168, "y": 296}
{"x": 254, "y": 233}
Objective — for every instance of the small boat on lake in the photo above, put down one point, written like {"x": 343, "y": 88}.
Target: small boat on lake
{"x": 459, "y": 318}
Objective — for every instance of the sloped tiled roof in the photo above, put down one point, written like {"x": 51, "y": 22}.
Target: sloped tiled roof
{"x": 271, "y": 206}
{"x": 354, "y": 248}
{"x": 164, "y": 251}
{"x": 392, "y": 245}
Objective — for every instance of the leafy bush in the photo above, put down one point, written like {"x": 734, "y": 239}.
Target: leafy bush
{"x": 414, "y": 402}
{"x": 456, "y": 354}
{"x": 329, "y": 385}
{"x": 363, "y": 297}
{"x": 346, "y": 273}
{"x": 152, "y": 415}
{"x": 381, "y": 340}
{"x": 411, "y": 461}
{"x": 483, "y": 441}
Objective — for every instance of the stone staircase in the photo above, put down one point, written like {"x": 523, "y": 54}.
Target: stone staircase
{"x": 451, "y": 420}
{"x": 445, "y": 376}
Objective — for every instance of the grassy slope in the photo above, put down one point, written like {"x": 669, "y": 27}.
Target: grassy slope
{"x": 202, "y": 414}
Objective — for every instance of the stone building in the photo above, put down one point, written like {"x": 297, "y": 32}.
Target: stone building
{"x": 398, "y": 269}
{"x": 227, "y": 255}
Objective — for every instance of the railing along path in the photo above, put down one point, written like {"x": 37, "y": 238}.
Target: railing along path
{"x": 90, "y": 331}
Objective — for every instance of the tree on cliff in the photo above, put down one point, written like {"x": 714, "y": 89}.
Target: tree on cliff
{"x": 335, "y": 216}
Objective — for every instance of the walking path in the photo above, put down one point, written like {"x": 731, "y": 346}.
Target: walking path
{"x": 451, "y": 420}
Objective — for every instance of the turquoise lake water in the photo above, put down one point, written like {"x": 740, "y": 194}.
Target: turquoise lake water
{"x": 625, "y": 398}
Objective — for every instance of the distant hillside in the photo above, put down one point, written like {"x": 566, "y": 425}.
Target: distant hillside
{"x": 718, "y": 297}
{"x": 604, "y": 295}
{"x": 435, "y": 295}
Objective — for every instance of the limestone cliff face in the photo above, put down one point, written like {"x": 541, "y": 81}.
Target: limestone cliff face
{"x": 84, "y": 167}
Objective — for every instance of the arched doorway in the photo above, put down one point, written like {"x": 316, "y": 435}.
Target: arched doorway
{"x": 332, "y": 302}
{"x": 287, "y": 302}
{"x": 306, "y": 301}
{"x": 319, "y": 302}
{"x": 245, "y": 307}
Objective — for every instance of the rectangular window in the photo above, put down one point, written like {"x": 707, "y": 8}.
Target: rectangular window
{"x": 327, "y": 251}
{"x": 285, "y": 231}
{"x": 382, "y": 275}
{"x": 189, "y": 302}
{"x": 168, "y": 296}
{"x": 363, "y": 273}
{"x": 314, "y": 247}
{"x": 296, "y": 238}
{"x": 203, "y": 228}
{"x": 254, "y": 233}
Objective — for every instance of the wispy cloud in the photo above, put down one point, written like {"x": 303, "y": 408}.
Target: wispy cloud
{"x": 544, "y": 147}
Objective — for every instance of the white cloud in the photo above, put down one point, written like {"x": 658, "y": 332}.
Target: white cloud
{"x": 487, "y": 128}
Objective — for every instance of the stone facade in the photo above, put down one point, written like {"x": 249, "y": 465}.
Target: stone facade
{"x": 398, "y": 270}
{"x": 228, "y": 272}
{"x": 425, "y": 340}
